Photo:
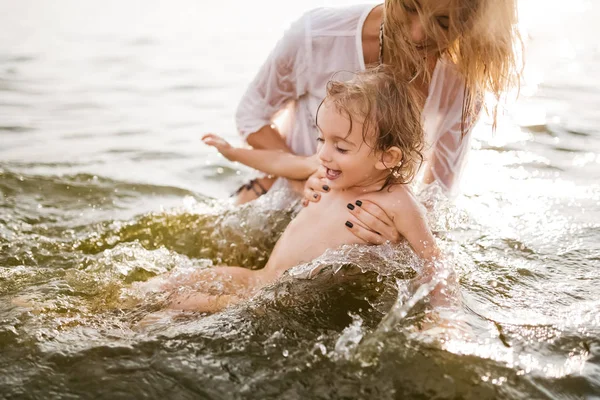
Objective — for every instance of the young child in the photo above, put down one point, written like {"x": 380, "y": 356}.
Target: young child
{"x": 369, "y": 145}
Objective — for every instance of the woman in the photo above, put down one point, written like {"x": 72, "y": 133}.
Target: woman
{"x": 453, "y": 51}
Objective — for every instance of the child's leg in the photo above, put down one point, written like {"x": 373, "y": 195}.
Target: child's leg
{"x": 213, "y": 289}
{"x": 202, "y": 302}
{"x": 192, "y": 278}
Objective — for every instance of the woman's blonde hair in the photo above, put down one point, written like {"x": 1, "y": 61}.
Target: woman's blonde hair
{"x": 389, "y": 109}
{"x": 483, "y": 42}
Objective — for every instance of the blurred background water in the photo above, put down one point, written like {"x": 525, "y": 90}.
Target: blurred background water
{"x": 104, "y": 182}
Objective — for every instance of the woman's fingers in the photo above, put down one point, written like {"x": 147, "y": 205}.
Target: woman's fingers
{"x": 365, "y": 234}
{"x": 311, "y": 195}
{"x": 371, "y": 216}
{"x": 315, "y": 185}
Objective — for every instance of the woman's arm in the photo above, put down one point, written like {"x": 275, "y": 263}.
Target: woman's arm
{"x": 282, "y": 77}
{"x": 268, "y": 137}
{"x": 445, "y": 162}
{"x": 447, "y": 132}
{"x": 274, "y": 162}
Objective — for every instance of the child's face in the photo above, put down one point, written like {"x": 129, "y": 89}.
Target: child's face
{"x": 349, "y": 161}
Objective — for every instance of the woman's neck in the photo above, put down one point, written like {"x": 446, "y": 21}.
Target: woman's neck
{"x": 370, "y": 41}
{"x": 370, "y": 35}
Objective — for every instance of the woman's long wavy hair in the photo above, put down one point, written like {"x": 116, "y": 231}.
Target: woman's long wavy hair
{"x": 482, "y": 40}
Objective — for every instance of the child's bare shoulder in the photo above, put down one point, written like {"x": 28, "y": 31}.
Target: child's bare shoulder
{"x": 399, "y": 200}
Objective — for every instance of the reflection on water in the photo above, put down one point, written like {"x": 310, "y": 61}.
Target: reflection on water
{"x": 104, "y": 183}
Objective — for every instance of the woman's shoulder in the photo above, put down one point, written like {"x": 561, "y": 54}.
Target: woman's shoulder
{"x": 336, "y": 20}
{"x": 446, "y": 88}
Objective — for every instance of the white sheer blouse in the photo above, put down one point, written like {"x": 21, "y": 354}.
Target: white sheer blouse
{"x": 291, "y": 84}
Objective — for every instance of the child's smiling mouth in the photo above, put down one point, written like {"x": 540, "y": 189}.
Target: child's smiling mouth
{"x": 332, "y": 174}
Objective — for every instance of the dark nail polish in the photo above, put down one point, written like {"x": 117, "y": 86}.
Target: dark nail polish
{"x": 315, "y": 195}
{"x": 326, "y": 188}
{"x": 350, "y": 206}
{"x": 349, "y": 224}
{"x": 358, "y": 203}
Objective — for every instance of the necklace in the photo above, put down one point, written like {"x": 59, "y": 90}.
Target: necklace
{"x": 381, "y": 43}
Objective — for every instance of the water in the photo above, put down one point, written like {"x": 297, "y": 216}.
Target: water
{"x": 104, "y": 183}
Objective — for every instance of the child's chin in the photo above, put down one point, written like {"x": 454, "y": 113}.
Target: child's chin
{"x": 337, "y": 184}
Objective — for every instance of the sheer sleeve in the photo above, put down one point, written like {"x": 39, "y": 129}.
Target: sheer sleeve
{"x": 282, "y": 77}
{"x": 442, "y": 122}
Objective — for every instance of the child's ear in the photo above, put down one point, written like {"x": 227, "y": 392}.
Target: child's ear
{"x": 389, "y": 158}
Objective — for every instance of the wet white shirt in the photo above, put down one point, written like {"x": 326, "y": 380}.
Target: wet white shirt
{"x": 291, "y": 84}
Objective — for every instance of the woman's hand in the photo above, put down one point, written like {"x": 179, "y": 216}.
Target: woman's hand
{"x": 220, "y": 144}
{"x": 371, "y": 223}
{"x": 314, "y": 186}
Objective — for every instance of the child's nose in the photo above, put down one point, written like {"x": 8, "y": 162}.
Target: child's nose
{"x": 324, "y": 153}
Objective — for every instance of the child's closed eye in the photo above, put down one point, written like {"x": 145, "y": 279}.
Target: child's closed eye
{"x": 321, "y": 140}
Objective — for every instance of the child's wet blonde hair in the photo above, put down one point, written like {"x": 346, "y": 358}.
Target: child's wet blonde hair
{"x": 390, "y": 112}
{"x": 482, "y": 40}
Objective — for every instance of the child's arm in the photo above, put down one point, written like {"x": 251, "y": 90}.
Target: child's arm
{"x": 274, "y": 162}
{"x": 412, "y": 224}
